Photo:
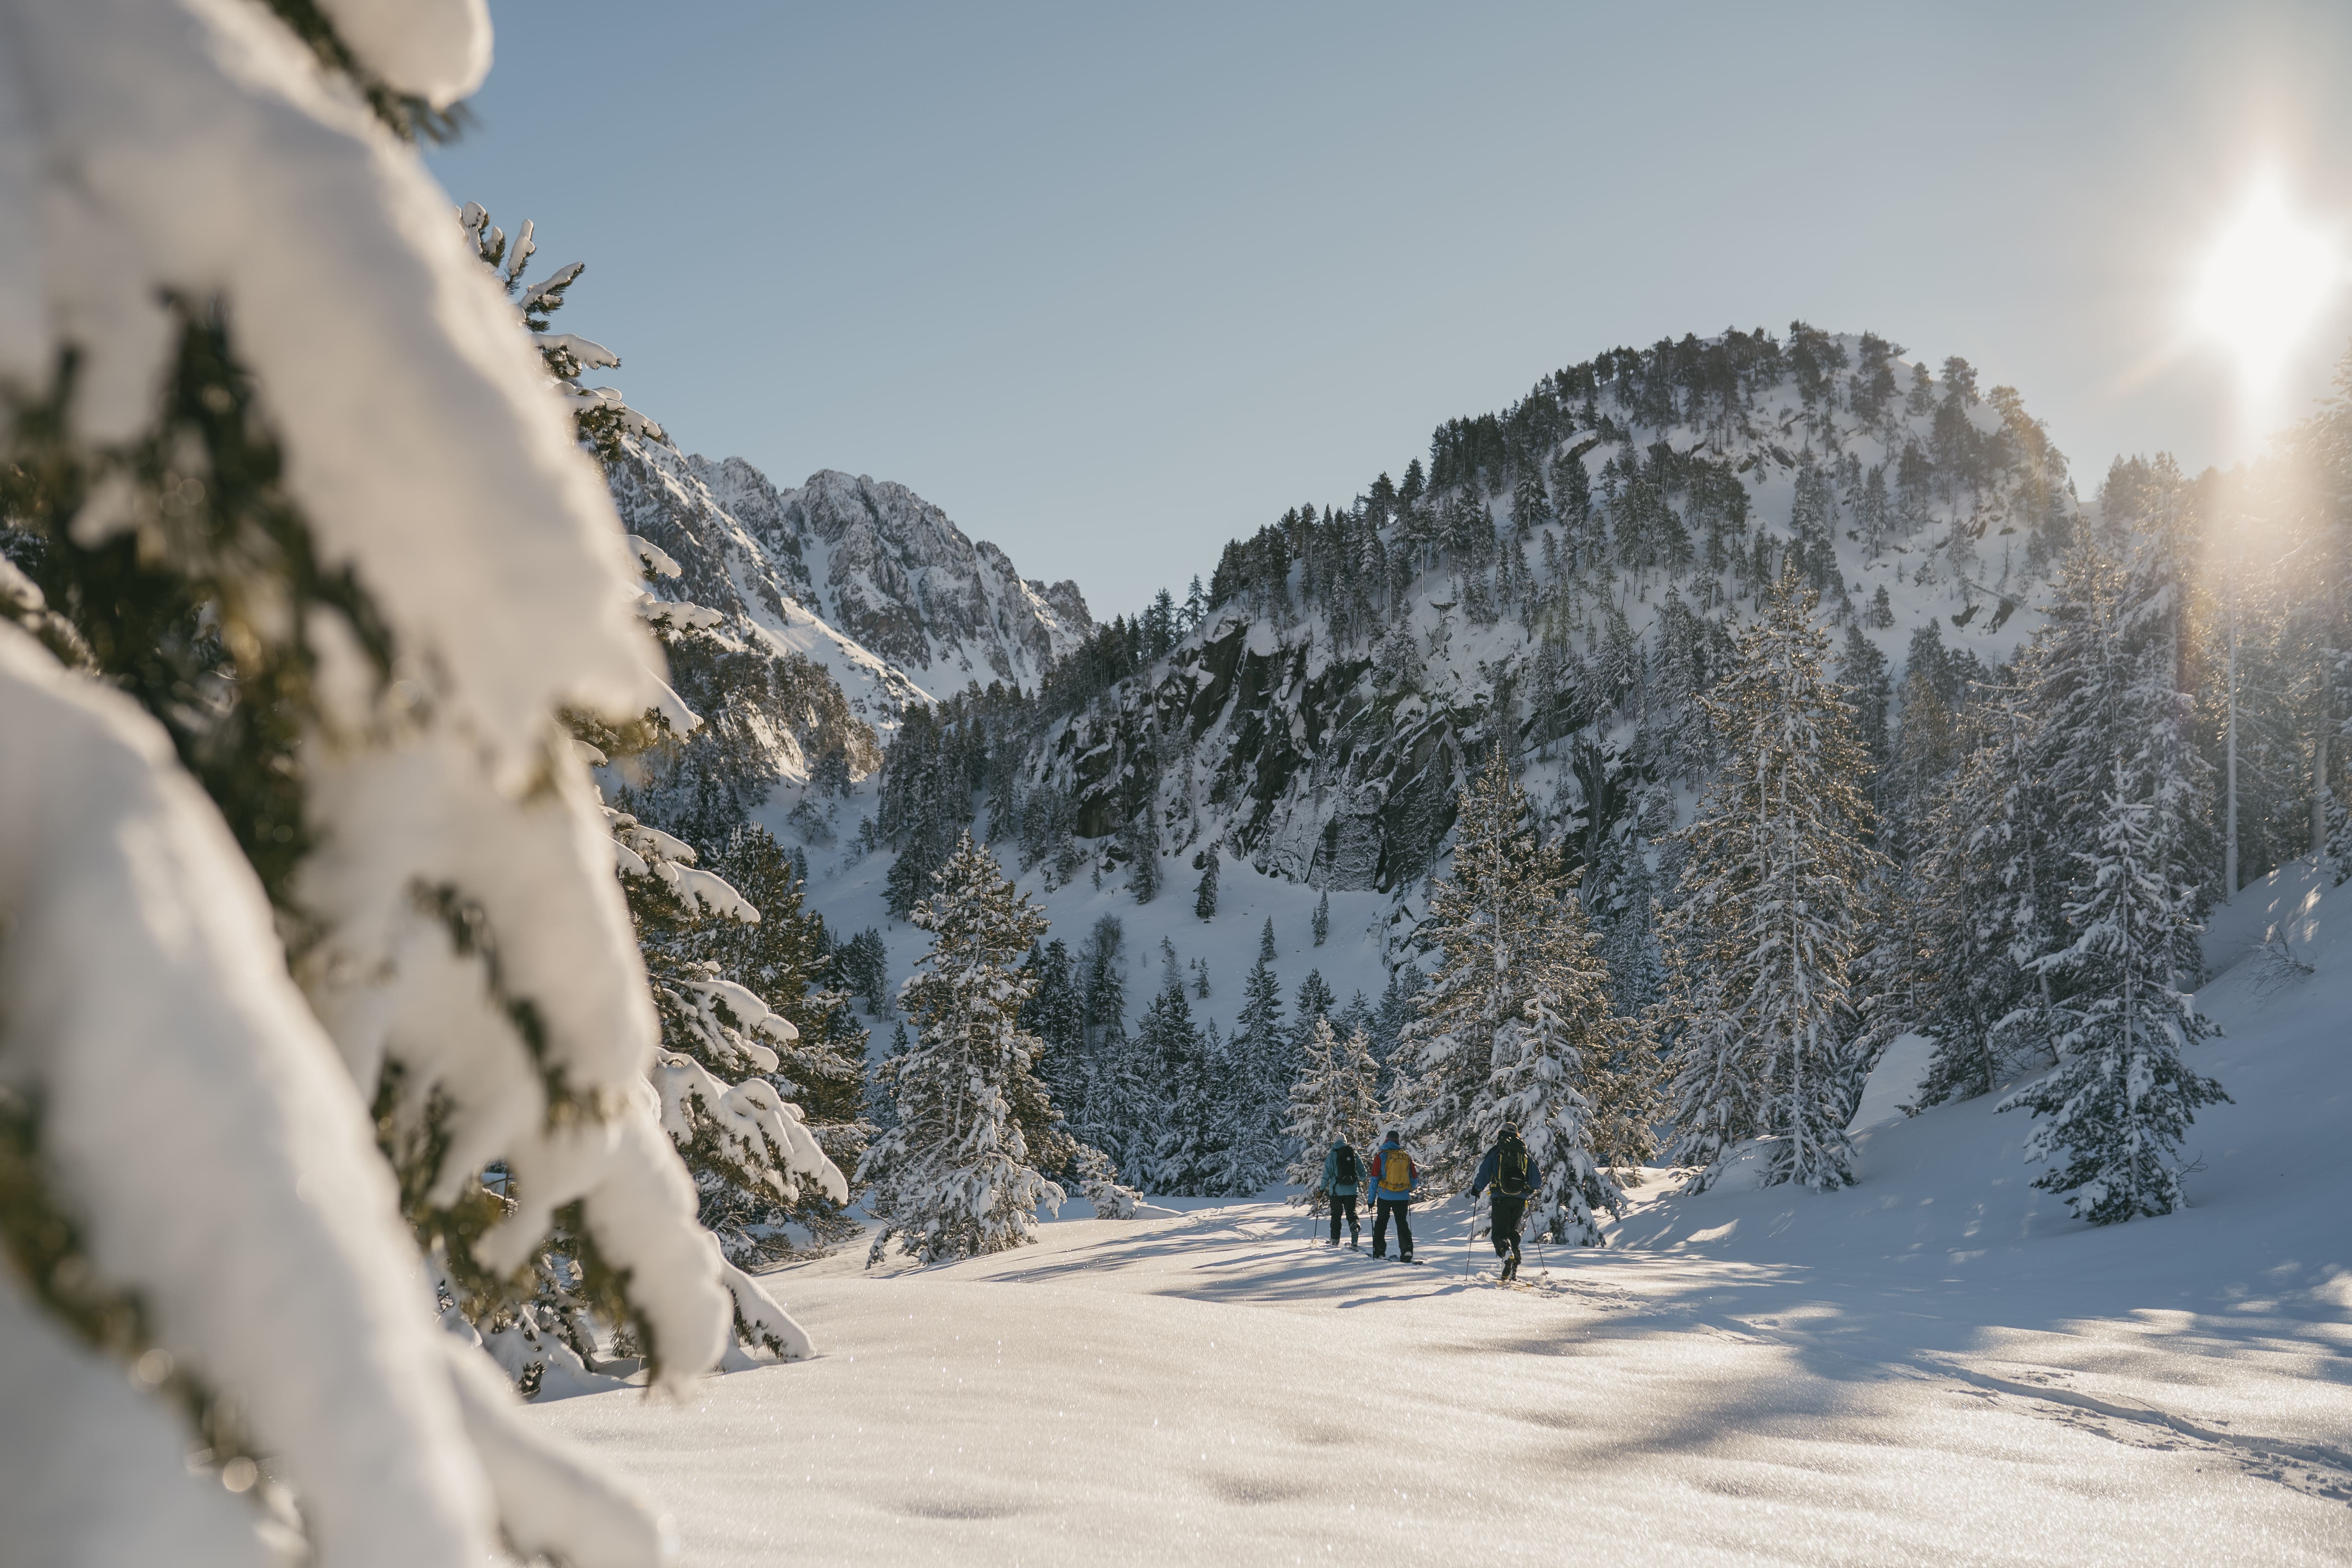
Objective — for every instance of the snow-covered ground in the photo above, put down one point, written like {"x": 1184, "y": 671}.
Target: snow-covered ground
{"x": 1936, "y": 1365}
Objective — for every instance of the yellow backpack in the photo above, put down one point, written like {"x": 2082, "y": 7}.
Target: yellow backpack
{"x": 1396, "y": 1171}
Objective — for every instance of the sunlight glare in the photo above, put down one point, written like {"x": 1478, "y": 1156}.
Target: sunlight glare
{"x": 2265, "y": 282}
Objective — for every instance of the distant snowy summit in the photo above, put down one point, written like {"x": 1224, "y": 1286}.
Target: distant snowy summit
{"x": 877, "y": 563}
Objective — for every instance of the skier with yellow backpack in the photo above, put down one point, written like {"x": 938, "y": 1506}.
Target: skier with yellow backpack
{"x": 1394, "y": 1175}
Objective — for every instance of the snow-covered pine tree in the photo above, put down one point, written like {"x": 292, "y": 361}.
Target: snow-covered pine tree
{"x": 1566, "y": 1031}
{"x": 1775, "y": 899}
{"x": 1263, "y": 1071}
{"x": 1636, "y": 967}
{"x": 1192, "y": 1141}
{"x": 1511, "y": 937}
{"x": 1313, "y": 1000}
{"x": 1204, "y": 894}
{"x": 715, "y": 958}
{"x": 1389, "y": 1020}
{"x": 1057, "y": 1015}
{"x": 787, "y": 958}
{"x": 1322, "y": 921}
{"x": 1983, "y": 908}
{"x": 747, "y": 1148}
{"x": 1121, "y": 1114}
{"x": 2121, "y": 1098}
{"x": 1337, "y": 1096}
{"x": 1097, "y": 1177}
{"x": 333, "y": 495}
{"x": 1142, "y": 841}
{"x": 955, "y": 1178}
{"x": 599, "y": 413}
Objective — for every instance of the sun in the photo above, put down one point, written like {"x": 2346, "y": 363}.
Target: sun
{"x": 2265, "y": 282}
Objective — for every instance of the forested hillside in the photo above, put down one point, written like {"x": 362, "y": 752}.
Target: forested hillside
{"x": 1560, "y": 580}
{"x": 1567, "y": 586}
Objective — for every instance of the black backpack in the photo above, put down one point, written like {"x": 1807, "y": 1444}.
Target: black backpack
{"x": 1344, "y": 1173}
{"x": 1511, "y": 1166}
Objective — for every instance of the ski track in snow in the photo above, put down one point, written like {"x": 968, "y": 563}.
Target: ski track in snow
{"x": 1936, "y": 1365}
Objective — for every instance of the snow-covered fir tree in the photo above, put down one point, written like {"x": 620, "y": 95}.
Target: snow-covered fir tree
{"x": 304, "y": 660}
{"x": 1981, "y": 910}
{"x": 1056, "y": 1015}
{"x": 1190, "y": 1134}
{"x": 1263, "y": 1066}
{"x": 1515, "y": 1022}
{"x": 1541, "y": 1059}
{"x": 1774, "y": 903}
{"x": 1204, "y": 892}
{"x": 1098, "y": 1178}
{"x": 2111, "y": 1117}
{"x": 1337, "y": 1097}
{"x": 954, "y": 1177}
{"x": 1122, "y": 1107}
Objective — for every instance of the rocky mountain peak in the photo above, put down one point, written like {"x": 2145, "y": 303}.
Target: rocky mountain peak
{"x": 894, "y": 573}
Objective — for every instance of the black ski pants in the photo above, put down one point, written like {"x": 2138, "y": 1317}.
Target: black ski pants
{"x": 1509, "y": 1212}
{"x": 1344, "y": 1203}
{"x": 1382, "y": 1209}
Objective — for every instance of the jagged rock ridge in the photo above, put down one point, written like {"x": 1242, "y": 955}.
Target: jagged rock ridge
{"x": 890, "y": 570}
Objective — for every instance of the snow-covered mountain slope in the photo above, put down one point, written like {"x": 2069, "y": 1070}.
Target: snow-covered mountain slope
{"x": 838, "y": 604}
{"x": 663, "y": 499}
{"x": 889, "y": 569}
{"x": 864, "y": 577}
{"x": 1936, "y": 1366}
{"x": 1563, "y": 581}
{"x": 849, "y": 892}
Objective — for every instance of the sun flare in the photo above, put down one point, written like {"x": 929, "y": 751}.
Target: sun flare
{"x": 2264, "y": 281}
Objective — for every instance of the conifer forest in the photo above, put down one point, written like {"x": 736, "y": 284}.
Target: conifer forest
{"x": 562, "y": 1001}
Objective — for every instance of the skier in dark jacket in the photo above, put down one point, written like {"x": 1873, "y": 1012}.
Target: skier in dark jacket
{"x": 1343, "y": 1178}
{"x": 1514, "y": 1174}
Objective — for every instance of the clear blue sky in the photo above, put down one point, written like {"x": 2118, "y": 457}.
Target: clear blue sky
{"x": 1112, "y": 284}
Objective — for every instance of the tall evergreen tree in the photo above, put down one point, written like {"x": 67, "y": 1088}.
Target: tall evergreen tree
{"x": 1057, "y": 1015}
{"x": 1190, "y": 1138}
{"x": 1204, "y": 894}
{"x": 1863, "y": 670}
{"x": 956, "y": 1176}
{"x": 753, "y": 1159}
{"x": 1113, "y": 1088}
{"x": 1337, "y": 1097}
{"x": 1515, "y": 1022}
{"x": 1984, "y": 906}
{"x": 1315, "y": 1000}
{"x": 1541, "y": 1061}
{"x": 1775, "y": 900}
{"x": 1263, "y": 1067}
{"x": 2121, "y": 1098}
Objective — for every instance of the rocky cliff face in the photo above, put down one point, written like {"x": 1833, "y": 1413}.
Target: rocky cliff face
{"x": 863, "y": 576}
{"x": 889, "y": 570}
{"x": 839, "y": 605}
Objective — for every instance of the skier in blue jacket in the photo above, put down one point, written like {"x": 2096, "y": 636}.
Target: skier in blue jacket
{"x": 1514, "y": 1174}
{"x": 1394, "y": 1175}
{"x": 1343, "y": 1177}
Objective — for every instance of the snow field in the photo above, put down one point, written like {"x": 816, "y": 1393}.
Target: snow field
{"x": 1151, "y": 1392}
{"x": 1937, "y": 1365}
